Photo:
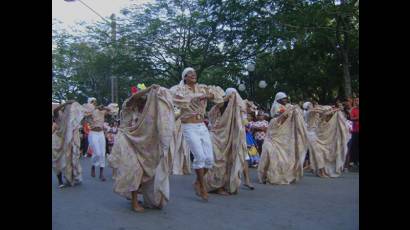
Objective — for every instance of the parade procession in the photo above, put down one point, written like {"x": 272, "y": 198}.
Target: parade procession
{"x": 201, "y": 114}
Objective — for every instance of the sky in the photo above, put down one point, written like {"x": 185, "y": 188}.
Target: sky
{"x": 71, "y": 12}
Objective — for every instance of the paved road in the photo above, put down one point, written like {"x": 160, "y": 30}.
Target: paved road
{"x": 313, "y": 203}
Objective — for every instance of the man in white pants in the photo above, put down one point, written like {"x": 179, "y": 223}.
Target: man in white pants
{"x": 192, "y": 98}
{"x": 96, "y": 138}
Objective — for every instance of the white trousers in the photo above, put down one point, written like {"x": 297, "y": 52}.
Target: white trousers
{"x": 97, "y": 142}
{"x": 199, "y": 142}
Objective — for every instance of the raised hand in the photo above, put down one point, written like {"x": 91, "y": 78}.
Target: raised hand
{"x": 155, "y": 86}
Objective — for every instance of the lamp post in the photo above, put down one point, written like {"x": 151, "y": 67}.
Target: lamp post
{"x": 262, "y": 84}
{"x": 251, "y": 67}
{"x": 114, "y": 41}
{"x": 114, "y": 79}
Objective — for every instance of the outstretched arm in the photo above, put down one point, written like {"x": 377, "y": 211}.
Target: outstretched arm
{"x": 214, "y": 94}
{"x": 106, "y": 109}
{"x": 54, "y": 127}
{"x": 55, "y": 111}
{"x": 134, "y": 98}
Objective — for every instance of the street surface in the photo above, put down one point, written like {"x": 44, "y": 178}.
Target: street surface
{"x": 313, "y": 203}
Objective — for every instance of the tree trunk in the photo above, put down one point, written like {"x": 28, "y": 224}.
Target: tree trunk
{"x": 344, "y": 23}
{"x": 346, "y": 74}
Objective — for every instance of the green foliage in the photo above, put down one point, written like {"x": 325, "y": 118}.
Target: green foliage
{"x": 297, "y": 44}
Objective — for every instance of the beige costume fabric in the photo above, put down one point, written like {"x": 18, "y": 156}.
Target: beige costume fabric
{"x": 181, "y": 161}
{"x": 66, "y": 143}
{"x": 189, "y": 103}
{"x": 327, "y": 140}
{"x": 284, "y": 149}
{"x": 141, "y": 148}
{"x": 229, "y": 145}
{"x": 53, "y": 106}
{"x": 250, "y": 106}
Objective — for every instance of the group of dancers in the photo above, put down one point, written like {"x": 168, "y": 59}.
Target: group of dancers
{"x": 160, "y": 127}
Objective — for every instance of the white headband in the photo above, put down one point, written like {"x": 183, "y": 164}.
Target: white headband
{"x": 186, "y": 70}
{"x": 307, "y": 105}
{"x": 90, "y": 99}
{"x": 280, "y": 95}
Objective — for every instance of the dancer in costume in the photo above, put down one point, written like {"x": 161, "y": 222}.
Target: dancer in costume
{"x": 66, "y": 142}
{"x": 192, "y": 99}
{"x": 285, "y": 145}
{"x": 140, "y": 152}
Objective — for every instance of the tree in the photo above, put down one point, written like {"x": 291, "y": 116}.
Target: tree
{"x": 305, "y": 48}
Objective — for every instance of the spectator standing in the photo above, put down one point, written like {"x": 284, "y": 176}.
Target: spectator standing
{"x": 354, "y": 116}
{"x": 251, "y": 144}
{"x": 259, "y": 129}
{"x": 84, "y": 140}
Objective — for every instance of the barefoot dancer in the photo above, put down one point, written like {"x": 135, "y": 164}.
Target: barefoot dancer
{"x": 229, "y": 145}
{"x": 181, "y": 162}
{"x": 140, "y": 152}
{"x": 66, "y": 142}
{"x": 285, "y": 145}
{"x": 328, "y": 135}
{"x": 96, "y": 138}
{"x": 192, "y": 98}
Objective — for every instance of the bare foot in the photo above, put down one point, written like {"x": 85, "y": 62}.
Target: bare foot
{"x": 307, "y": 167}
{"x": 222, "y": 192}
{"x": 204, "y": 194}
{"x": 137, "y": 208}
{"x": 197, "y": 188}
{"x": 161, "y": 203}
{"x": 322, "y": 173}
